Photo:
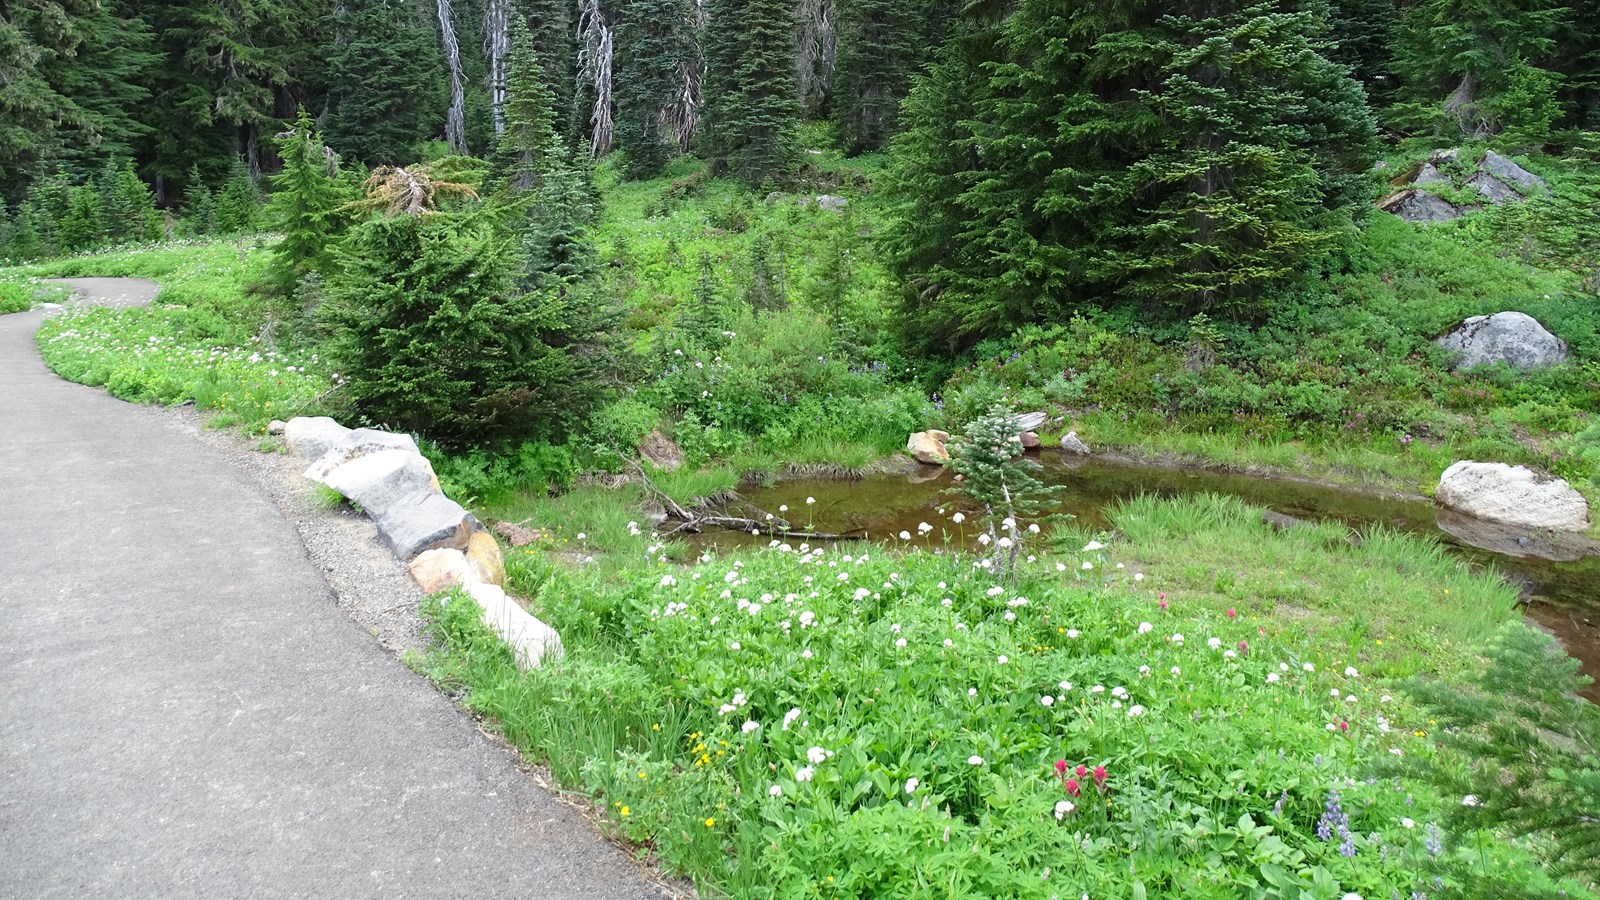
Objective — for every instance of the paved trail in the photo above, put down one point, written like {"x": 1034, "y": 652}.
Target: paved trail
{"x": 185, "y": 713}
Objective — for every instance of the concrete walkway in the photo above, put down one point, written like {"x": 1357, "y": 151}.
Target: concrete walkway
{"x": 185, "y": 713}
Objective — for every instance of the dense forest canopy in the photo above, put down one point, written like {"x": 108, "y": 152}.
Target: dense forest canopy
{"x": 1042, "y": 155}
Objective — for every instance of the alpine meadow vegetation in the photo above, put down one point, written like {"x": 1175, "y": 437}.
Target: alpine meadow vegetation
{"x": 605, "y": 258}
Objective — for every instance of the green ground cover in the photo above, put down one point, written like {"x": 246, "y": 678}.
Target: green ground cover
{"x": 853, "y": 720}
{"x": 205, "y": 338}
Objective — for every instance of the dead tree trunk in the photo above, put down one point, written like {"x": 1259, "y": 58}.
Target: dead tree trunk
{"x": 455, "y": 123}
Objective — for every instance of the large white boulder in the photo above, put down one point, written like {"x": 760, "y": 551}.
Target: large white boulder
{"x": 532, "y": 640}
{"x": 357, "y": 443}
{"x": 1514, "y": 338}
{"x": 1514, "y": 495}
{"x": 312, "y": 436}
{"x": 378, "y": 480}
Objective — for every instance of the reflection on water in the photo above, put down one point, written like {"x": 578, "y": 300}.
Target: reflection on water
{"x": 1560, "y": 577}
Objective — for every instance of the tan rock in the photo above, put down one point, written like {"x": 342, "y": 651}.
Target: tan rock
{"x": 518, "y": 535}
{"x": 1030, "y": 440}
{"x": 437, "y": 570}
{"x": 928, "y": 447}
{"x": 659, "y": 451}
{"x": 483, "y": 555}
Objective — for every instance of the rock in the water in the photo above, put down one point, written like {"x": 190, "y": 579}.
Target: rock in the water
{"x": 1509, "y": 172}
{"x": 425, "y": 520}
{"x": 1493, "y": 189}
{"x": 437, "y": 570}
{"x": 659, "y": 450}
{"x": 1073, "y": 446}
{"x": 312, "y": 436}
{"x": 928, "y": 447}
{"x": 1514, "y": 540}
{"x": 376, "y": 481}
{"x": 1030, "y": 440}
{"x": 483, "y": 554}
{"x": 832, "y": 202}
{"x": 1514, "y": 495}
{"x": 1514, "y": 338}
{"x": 1419, "y": 206}
{"x": 276, "y": 426}
{"x": 532, "y": 640}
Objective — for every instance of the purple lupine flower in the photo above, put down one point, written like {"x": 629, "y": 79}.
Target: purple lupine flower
{"x": 1434, "y": 845}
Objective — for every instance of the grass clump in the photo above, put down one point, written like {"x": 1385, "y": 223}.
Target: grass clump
{"x": 846, "y": 721}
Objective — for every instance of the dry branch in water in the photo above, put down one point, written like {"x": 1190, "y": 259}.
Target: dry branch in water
{"x": 692, "y": 522}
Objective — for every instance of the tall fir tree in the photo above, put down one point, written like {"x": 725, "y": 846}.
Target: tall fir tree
{"x": 553, "y": 26}
{"x": 199, "y": 205}
{"x": 752, "y": 116}
{"x": 522, "y": 157}
{"x": 1474, "y": 68}
{"x": 654, "y": 41}
{"x": 32, "y": 108}
{"x": 384, "y": 93}
{"x": 1185, "y": 156}
{"x": 306, "y": 200}
{"x": 235, "y": 71}
{"x": 871, "y": 71}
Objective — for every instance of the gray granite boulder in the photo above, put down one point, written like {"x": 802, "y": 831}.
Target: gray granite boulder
{"x": 1509, "y": 172}
{"x": 1420, "y": 206}
{"x": 424, "y": 520}
{"x": 376, "y": 481}
{"x": 312, "y": 436}
{"x": 1073, "y": 445}
{"x": 1514, "y": 338}
{"x": 1512, "y": 495}
{"x": 1493, "y": 189}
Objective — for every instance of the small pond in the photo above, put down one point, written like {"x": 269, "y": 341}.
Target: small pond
{"x": 1560, "y": 580}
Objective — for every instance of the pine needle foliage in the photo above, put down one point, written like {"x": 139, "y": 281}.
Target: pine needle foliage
{"x": 307, "y": 201}
{"x": 1179, "y": 159}
{"x": 529, "y": 139}
{"x": 438, "y": 340}
{"x": 654, "y": 41}
{"x": 1522, "y": 750}
{"x": 871, "y": 71}
{"x": 988, "y": 456}
{"x": 752, "y": 117}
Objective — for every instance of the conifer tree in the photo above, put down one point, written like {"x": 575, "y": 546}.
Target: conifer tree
{"x": 306, "y": 201}
{"x": 384, "y": 91}
{"x": 200, "y": 205}
{"x": 553, "y": 27}
{"x": 127, "y": 206}
{"x": 871, "y": 71}
{"x": 529, "y": 138}
{"x": 1475, "y": 67}
{"x": 654, "y": 41}
{"x": 752, "y": 116}
{"x": 427, "y": 316}
{"x": 1214, "y": 154}
{"x": 239, "y": 202}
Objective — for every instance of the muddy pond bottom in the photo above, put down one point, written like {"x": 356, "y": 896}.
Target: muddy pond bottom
{"x": 1559, "y": 579}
